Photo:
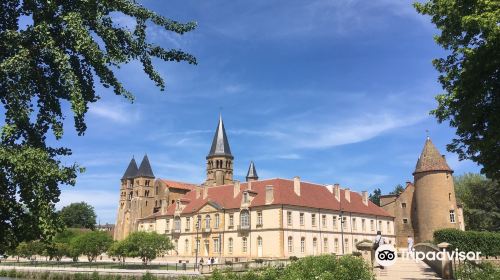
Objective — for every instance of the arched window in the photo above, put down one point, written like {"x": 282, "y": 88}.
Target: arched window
{"x": 230, "y": 245}
{"x": 325, "y": 245}
{"x": 245, "y": 219}
{"x": 302, "y": 244}
{"x": 217, "y": 221}
{"x": 315, "y": 245}
{"x": 290, "y": 244}
{"x": 207, "y": 221}
{"x": 177, "y": 223}
{"x": 259, "y": 241}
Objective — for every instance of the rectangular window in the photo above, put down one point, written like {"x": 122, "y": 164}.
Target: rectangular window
{"x": 336, "y": 245}
{"x": 197, "y": 245}
{"x": 244, "y": 245}
{"x": 372, "y": 225}
{"x": 167, "y": 222}
{"x": 346, "y": 245}
{"x": 344, "y": 223}
{"x": 198, "y": 223}
{"x": 389, "y": 228}
{"x": 323, "y": 220}
{"x": 452, "y": 216}
{"x": 313, "y": 220}
{"x": 334, "y": 222}
{"x": 301, "y": 219}
{"x": 289, "y": 218}
{"x": 325, "y": 245}
{"x": 259, "y": 218}
{"x": 217, "y": 221}
{"x": 230, "y": 246}
{"x": 216, "y": 245}
{"x": 302, "y": 245}
{"x": 363, "y": 225}
{"x": 354, "y": 224}
{"x": 231, "y": 220}
{"x": 188, "y": 223}
{"x": 405, "y": 221}
{"x": 380, "y": 225}
{"x": 403, "y": 205}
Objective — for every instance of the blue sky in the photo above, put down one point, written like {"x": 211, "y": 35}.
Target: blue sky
{"x": 331, "y": 91}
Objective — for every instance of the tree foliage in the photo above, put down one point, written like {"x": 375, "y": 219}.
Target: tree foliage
{"x": 375, "y": 196}
{"x": 398, "y": 190}
{"x": 470, "y": 76}
{"x": 78, "y": 215}
{"x": 91, "y": 244}
{"x": 480, "y": 198}
{"x": 146, "y": 245}
{"x": 29, "y": 249}
{"x": 52, "y": 53}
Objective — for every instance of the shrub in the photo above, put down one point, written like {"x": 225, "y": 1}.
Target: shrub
{"x": 356, "y": 254}
{"x": 470, "y": 272}
{"x": 488, "y": 243}
{"x": 293, "y": 258}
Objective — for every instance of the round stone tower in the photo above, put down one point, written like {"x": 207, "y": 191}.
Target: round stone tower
{"x": 434, "y": 197}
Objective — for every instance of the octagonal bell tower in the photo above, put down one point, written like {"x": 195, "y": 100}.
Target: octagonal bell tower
{"x": 219, "y": 159}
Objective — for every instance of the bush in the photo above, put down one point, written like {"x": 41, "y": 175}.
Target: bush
{"x": 470, "y": 272}
{"x": 293, "y": 258}
{"x": 488, "y": 243}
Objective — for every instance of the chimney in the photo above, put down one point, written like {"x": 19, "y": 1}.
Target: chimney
{"x": 236, "y": 188}
{"x": 296, "y": 185}
{"x": 336, "y": 191}
{"x": 198, "y": 191}
{"x": 364, "y": 196}
{"x": 249, "y": 185}
{"x": 347, "y": 193}
{"x": 269, "y": 194}
{"x": 329, "y": 188}
{"x": 205, "y": 192}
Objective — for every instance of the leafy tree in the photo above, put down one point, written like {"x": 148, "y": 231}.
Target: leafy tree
{"x": 481, "y": 201}
{"x": 147, "y": 245}
{"x": 119, "y": 249}
{"x": 29, "y": 250}
{"x": 398, "y": 190}
{"x": 375, "y": 196}
{"x": 91, "y": 244}
{"x": 469, "y": 74}
{"x": 51, "y": 53}
{"x": 57, "y": 250}
{"x": 78, "y": 215}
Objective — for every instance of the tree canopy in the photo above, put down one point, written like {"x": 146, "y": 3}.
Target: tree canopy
{"x": 92, "y": 244}
{"x": 52, "y": 53}
{"x": 146, "y": 245}
{"x": 398, "y": 189}
{"x": 480, "y": 198}
{"x": 470, "y": 76}
{"x": 375, "y": 196}
{"x": 78, "y": 215}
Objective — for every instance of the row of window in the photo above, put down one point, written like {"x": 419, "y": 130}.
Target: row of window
{"x": 336, "y": 221}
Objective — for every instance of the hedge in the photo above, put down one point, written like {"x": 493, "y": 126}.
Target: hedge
{"x": 488, "y": 243}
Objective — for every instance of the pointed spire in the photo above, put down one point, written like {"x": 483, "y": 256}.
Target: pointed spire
{"x": 131, "y": 170}
{"x": 252, "y": 172}
{"x": 220, "y": 144}
{"x": 430, "y": 159}
{"x": 145, "y": 169}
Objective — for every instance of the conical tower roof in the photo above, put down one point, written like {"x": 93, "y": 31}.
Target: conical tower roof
{"x": 252, "y": 173}
{"x": 431, "y": 160}
{"x": 220, "y": 144}
{"x": 131, "y": 170}
{"x": 145, "y": 169}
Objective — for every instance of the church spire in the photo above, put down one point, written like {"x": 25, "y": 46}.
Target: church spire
{"x": 145, "y": 169}
{"x": 131, "y": 170}
{"x": 220, "y": 144}
{"x": 430, "y": 159}
{"x": 252, "y": 173}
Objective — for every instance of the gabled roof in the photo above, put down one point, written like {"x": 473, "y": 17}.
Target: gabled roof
{"x": 145, "y": 169}
{"x": 131, "y": 170}
{"x": 252, "y": 173}
{"x": 430, "y": 159}
{"x": 220, "y": 144}
{"x": 178, "y": 185}
{"x": 312, "y": 196}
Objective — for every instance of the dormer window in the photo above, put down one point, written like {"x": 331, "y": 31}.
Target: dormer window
{"x": 245, "y": 197}
{"x": 178, "y": 204}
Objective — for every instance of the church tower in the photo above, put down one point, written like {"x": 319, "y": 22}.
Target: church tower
{"x": 252, "y": 173}
{"x": 219, "y": 159}
{"x": 434, "y": 196}
{"x": 126, "y": 193}
{"x": 144, "y": 180}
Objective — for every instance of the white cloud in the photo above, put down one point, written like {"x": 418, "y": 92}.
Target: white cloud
{"x": 115, "y": 112}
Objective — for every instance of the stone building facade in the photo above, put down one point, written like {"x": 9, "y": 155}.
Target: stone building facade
{"x": 271, "y": 218}
{"x": 428, "y": 203}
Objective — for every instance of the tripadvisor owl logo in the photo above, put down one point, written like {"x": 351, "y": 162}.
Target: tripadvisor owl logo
{"x": 386, "y": 255}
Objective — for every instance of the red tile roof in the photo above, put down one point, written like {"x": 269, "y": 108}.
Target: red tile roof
{"x": 179, "y": 185}
{"x": 312, "y": 196}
